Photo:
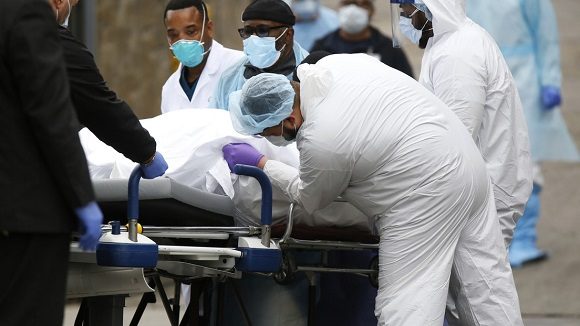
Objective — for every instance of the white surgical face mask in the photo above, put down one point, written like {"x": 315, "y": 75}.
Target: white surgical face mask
{"x": 262, "y": 50}
{"x": 65, "y": 23}
{"x": 281, "y": 140}
{"x": 353, "y": 19}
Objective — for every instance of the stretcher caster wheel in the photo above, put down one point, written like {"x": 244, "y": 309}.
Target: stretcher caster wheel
{"x": 287, "y": 271}
{"x": 374, "y": 276}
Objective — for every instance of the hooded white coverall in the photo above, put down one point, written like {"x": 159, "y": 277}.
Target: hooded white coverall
{"x": 377, "y": 138}
{"x": 464, "y": 67}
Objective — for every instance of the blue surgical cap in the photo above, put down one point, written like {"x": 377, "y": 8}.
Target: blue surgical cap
{"x": 263, "y": 102}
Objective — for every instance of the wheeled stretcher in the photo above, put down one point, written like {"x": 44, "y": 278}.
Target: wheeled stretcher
{"x": 189, "y": 236}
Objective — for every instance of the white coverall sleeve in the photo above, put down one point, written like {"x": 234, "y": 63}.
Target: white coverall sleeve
{"x": 318, "y": 183}
{"x": 462, "y": 86}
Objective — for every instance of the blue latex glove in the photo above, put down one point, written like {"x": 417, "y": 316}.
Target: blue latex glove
{"x": 91, "y": 218}
{"x": 551, "y": 97}
{"x": 241, "y": 153}
{"x": 155, "y": 168}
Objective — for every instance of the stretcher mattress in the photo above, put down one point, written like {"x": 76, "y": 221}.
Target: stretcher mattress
{"x": 164, "y": 202}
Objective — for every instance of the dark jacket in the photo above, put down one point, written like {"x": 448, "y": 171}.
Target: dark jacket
{"x": 43, "y": 170}
{"x": 98, "y": 107}
{"x": 378, "y": 44}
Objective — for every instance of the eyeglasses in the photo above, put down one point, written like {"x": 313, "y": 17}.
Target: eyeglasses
{"x": 260, "y": 30}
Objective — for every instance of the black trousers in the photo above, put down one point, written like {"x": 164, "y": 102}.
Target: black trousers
{"x": 33, "y": 270}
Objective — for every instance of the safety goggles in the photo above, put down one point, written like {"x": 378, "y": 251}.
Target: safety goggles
{"x": 260, "y": 30}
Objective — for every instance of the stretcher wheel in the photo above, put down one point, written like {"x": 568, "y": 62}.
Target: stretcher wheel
{"x": 287, "y": 271}
{"x": 374, "y": 276}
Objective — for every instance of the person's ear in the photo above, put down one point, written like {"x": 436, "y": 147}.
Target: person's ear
{"x": 58, "y": 4}
{"x": 291, "y": 120}
{"x": 289, "y": 35}
{"x": 209, "y": 28}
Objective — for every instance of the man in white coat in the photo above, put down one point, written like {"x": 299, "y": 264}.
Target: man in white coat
{"x": 202, "y": 59}
{"x": 377, "y": 138}
{"x": 463, "y": 66}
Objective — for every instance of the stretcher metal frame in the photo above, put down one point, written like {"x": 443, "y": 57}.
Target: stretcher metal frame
{"x": 104, "y": 288}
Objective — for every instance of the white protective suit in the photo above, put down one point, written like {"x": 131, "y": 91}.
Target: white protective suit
{"x": 463, "y": 67}
{"x": 396, "y": 152}
{"x": 219, "y": 59}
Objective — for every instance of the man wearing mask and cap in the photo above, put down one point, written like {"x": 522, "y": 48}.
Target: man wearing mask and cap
{"x": 313, "y": 21}
{"x": 97, "y": 106}
{"x": 356, "y": 35}
{"x": 464, "y": 67}
{"x": 202, "y": 59}
{"x": 269, "y": 46}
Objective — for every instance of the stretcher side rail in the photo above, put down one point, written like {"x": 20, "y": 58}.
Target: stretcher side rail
{"x": 338, "y": 238}
{"x": 348, "y": 242}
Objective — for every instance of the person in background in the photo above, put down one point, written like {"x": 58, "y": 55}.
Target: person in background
{"x": 268, "y": 37}
{"x": 97, "y": 106}
{"x": 313, "y": 21}
{"x": 202, "y": 59}
{"x": 45, "y": 188}
{"x": 527, "y": 35}
{"x": 357, "y": 35}
{"x": 464, "y": 68}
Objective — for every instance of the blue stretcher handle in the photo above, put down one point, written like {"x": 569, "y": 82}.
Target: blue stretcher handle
{"x": 133, "y": 197}
{"x": 266, "y": 186}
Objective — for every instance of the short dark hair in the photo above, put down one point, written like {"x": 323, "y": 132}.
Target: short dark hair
{"x": 182, "y": 4}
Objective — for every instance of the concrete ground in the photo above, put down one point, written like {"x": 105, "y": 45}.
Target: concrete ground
{"x": 549, "y": 291}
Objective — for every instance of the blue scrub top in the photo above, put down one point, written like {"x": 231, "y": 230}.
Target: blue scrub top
{"x": 188, "y": 88}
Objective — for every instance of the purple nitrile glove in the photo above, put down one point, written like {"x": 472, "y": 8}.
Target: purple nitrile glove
{"x": 91, "y": 218}
{"x": 551, "y": 97}
{"x": 241, "y": 153}
{"x": 155, "y": 168}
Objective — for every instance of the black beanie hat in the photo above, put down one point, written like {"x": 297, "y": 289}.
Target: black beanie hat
{"x": 274, "y": 10}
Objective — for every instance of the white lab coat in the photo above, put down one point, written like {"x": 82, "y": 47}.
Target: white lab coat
{"x": 396, "y": 152}
{"x": 463, "y": 67}
{"x": 174, "y": 98}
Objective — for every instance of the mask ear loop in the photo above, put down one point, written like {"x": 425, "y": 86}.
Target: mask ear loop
{"x": 276, "y": 39}
{"x": 426, "y": 22}
{"x": 69, "y": 12}
{"x": 203, "y": 29}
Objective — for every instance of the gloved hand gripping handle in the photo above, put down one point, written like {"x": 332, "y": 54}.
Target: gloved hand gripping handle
{"x": 266, "y": 212}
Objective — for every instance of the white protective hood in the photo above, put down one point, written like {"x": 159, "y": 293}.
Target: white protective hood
{"x": 448, "y": 15}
